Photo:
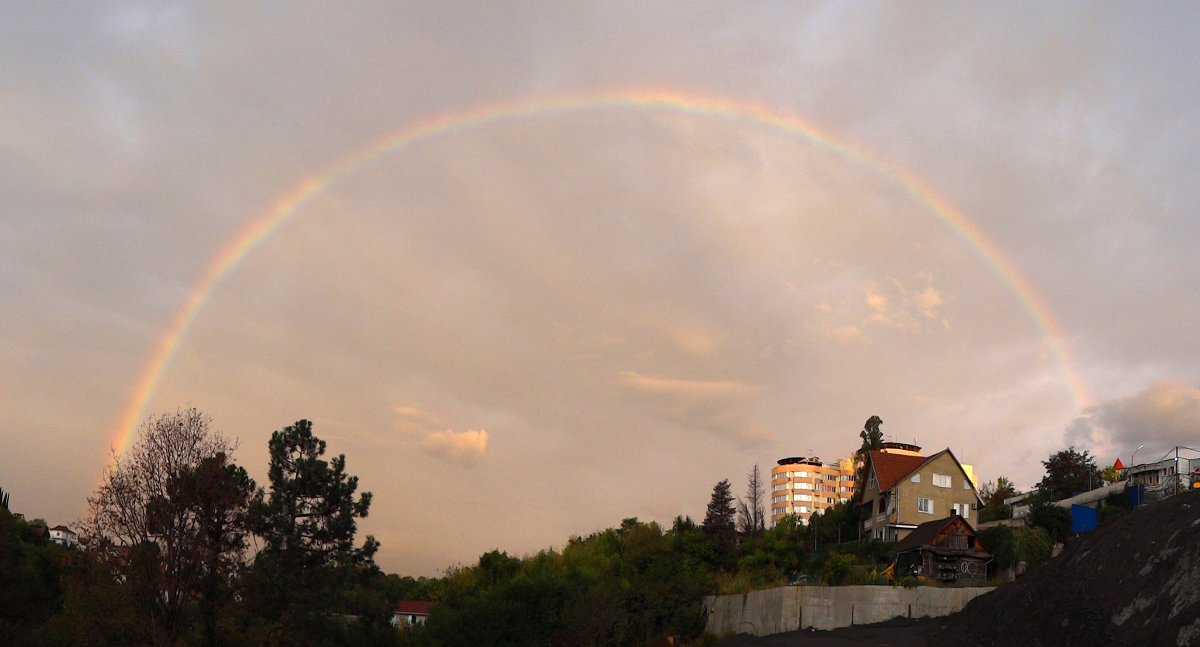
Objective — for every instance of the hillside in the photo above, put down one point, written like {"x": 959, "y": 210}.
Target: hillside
{"x": 1134, "y": 581}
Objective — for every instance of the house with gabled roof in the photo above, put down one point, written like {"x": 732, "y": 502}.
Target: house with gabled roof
{"x": 904, "y": 490}
{"x": 64, "y": 536}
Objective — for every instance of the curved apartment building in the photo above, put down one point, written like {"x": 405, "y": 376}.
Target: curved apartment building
{"x": 803, "y": 485}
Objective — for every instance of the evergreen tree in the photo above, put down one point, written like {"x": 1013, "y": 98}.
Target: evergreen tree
{"x": 719, "y": 517}
{"x": 308, "y": 522}
{"x": 872, "y": 440}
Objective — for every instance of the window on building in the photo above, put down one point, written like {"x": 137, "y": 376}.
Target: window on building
{"x": 924, "y": 505}
{"x": 966, "y": 484}
{"x": 941, "y": 480}
{"x": 804, "y": 486}
{"x": 804, "y": 497}
{"x": 916, "y": 478}
{"x": 963, "y": 510}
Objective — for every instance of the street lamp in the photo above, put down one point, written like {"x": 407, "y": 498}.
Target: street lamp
{"x": 1132, "y": 462}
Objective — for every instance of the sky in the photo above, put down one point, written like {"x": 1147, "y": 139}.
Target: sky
{"x": 535, "y": 269}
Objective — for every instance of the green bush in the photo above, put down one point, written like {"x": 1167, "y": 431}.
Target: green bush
{"x": 1054, "y": 519}
{"x": 908, "y": 582}
{"x": 837, "y": 569}
{"x": 1010, "y": 546}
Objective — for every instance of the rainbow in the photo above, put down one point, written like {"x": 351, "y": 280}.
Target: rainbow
{"x": 260, "y": 228}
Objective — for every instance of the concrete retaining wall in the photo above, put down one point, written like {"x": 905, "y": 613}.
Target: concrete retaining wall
{"x": 789, "y": 608}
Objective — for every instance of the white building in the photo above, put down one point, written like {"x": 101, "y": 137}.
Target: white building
{"x": 64, "y": 536}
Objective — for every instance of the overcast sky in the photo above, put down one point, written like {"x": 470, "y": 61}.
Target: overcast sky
{"x": 539, "y": 323}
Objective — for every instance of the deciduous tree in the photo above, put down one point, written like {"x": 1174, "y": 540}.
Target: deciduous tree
{"x": 1069, "y": 472}
{"x": 751, "y": 516}
{"x": 133, "y": 507}
{"x": 993, "y": 495}
{"x": 216, "y": 494}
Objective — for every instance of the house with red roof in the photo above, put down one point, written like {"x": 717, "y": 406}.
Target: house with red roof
{"x": 410, "y": 612}
{"x": 64, "y": 536}
{"x": 904, "y": 490}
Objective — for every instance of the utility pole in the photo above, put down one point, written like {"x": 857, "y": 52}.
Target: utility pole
{"x": 1175, "y": 489}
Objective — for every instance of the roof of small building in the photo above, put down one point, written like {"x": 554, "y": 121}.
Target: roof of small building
{"x": 62, "y": 529}
{"x": 414, "y": 607}
{"x": 926, "y": 534}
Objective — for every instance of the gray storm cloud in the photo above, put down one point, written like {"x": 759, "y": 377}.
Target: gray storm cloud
{"x": 1162, "y": 416}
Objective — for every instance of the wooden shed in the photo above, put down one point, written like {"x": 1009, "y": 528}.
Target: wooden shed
{"x": 944, "y": 550}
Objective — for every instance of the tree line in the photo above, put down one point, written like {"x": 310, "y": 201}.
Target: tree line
{"x": 165, "y": 556}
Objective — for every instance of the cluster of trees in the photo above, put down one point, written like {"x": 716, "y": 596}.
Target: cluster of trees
{"x": 1068, "y": 472}
{"x": 166, "y": 557}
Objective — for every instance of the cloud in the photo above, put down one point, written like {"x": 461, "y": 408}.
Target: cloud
{"x": 928, "y": 301}
{"x": 464, "y": 448}
{"x": 721, "y": 407}
{"x": 877, "y": 302}
{"x": 686, "y": 389}
{"x": 1162, "y": 416}
{"x": 415, "y": 421}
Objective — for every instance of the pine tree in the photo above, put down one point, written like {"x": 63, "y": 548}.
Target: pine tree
{"x": 308, "y": 522}
{"x": 719, "y": 518}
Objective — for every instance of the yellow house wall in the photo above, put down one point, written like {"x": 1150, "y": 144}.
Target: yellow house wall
{"x": 907, "y": 493}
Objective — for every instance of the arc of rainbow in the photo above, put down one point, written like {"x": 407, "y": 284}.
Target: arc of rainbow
{"x": 261, "y": 227}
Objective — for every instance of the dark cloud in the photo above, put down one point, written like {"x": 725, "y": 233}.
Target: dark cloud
{"x": 1164, "y": 415}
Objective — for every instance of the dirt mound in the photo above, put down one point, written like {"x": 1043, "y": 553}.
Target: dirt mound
{"x": 1134, "y": 581}
{"x": 898, "y": 632}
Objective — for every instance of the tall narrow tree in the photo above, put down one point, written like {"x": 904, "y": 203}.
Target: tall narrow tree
{"x": 872, "y": 440}
{"x": 719, "y": 522}
{"x": 216, "y": 494}
{"x": 751, "y": 510}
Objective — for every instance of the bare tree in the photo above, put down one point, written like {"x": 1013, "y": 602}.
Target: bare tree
{"x": 752, "y": 520}
{"x": 132, "y": 508}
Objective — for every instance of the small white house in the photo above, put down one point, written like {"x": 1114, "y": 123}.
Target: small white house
{"x": 410, "y": 612}
{"x": 64, "y": 536}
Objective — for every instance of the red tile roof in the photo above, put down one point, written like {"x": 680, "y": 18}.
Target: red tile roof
{"x": 891, "y": 468}
{"x": 415, "y": 607}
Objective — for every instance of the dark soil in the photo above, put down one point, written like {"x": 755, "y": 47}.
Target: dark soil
{"x": 898, "y": 632}
{"x": 1134, "y": 581}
